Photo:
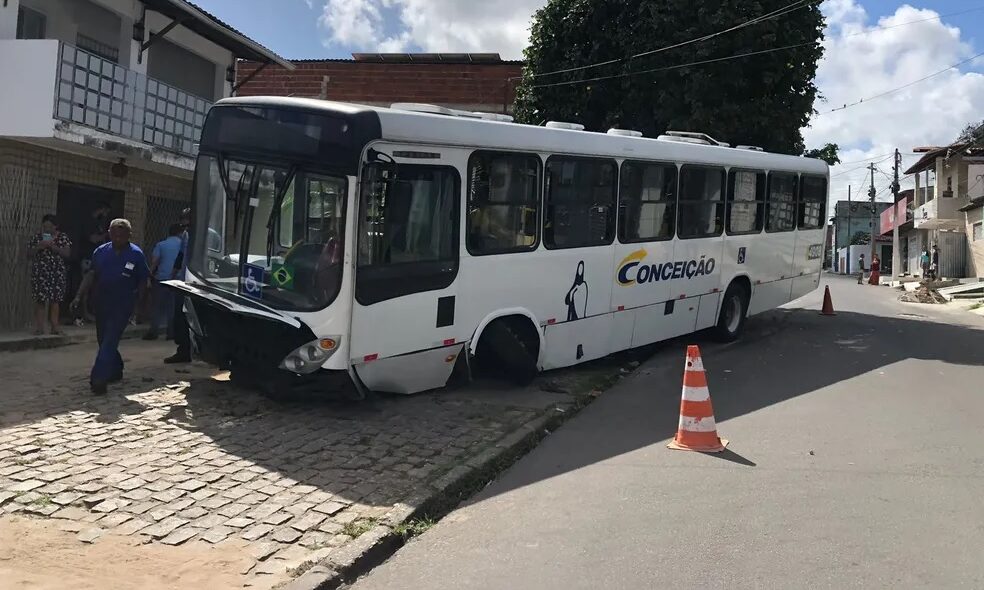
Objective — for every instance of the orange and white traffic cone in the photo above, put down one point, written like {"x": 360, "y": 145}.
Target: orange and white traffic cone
{"x": 697, "y": 431}
{"x": 828, "y": 304}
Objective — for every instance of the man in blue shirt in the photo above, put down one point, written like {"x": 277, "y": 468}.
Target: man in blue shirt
{"x": 162, "y": 261}
{"x": 182, "y": 337}
{"x": 119, "y": 273}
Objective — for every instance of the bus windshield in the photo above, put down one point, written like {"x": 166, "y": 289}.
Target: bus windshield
{"x": 273, "y": 233}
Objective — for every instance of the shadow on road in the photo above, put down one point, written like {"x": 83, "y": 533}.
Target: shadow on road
{"x": 788, "y": 353}
{"x": 376, "y": 452}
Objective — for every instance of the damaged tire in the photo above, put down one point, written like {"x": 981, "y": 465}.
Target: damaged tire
{"x": 509, "y": 349}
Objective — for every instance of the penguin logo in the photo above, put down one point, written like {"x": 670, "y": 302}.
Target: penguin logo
{"x": 577, "y": 296}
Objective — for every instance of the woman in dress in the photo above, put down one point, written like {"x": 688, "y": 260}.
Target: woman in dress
{"x": 875, "y": 274}
{"x": 49, "y": 273}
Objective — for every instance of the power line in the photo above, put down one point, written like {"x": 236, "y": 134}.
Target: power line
{"x": 750, "y": 54}
{"x": 798, "y": 4}
{"x": 886, "y": 174}
{"x": 885, "y": 156}
{"x": 865, "y": 167}
{"x": 913, "y": 22}
{"x": 903, "y": 87}
{"x": 676, "y": 67}
{"x": 780, "y": 12}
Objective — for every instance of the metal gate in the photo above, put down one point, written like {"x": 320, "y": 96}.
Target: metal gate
{"x": 18, "y": 222}
{"x": 915, "y": 249}
{"x": 161, "y": 213}
{"x": 953, "y": 254}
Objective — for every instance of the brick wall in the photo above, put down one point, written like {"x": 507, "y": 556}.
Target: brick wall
{"x": 29, "y": 177}
{"x": 472, "y": 86}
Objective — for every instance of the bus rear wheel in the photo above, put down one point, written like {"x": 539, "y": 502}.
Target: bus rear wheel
{"x": 734, "y": 312}
{"x": 508, "y": 348}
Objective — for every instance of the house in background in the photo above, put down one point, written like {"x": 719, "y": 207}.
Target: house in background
{"x": 104, "y": 101}
{"x": 465, "y": 81}
{"x": 948, "y": 213}
{"x": 911, "y": 241}
{"x": 853, "y": 222}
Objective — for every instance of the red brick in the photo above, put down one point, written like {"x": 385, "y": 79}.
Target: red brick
{"x": 473, "y": 84}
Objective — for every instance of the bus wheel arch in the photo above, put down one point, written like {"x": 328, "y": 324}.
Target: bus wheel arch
{"x": 734, "y": 309}
{"x": 509, "y": 342}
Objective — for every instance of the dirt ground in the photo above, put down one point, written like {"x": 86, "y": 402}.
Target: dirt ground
{"x": 37, "y": 554}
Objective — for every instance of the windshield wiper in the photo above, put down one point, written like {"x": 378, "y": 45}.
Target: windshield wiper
{"x": 234, "y": 195}
{"x": 278, "y": 202}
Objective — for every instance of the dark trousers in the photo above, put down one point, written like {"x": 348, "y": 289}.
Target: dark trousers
{"x": 163, "y": 308}
{"x": 181, "y": 333}
{"x": 110, "y": 324}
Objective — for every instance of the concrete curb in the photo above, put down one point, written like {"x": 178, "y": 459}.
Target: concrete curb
{"x": 450, "y": 490}
{"x": 46, "y": 342}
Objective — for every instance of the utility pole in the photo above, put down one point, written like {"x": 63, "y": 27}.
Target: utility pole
{"x": 896, "y": 247}
{"x": 850, "y": 236}
{"x": 871, "y": 224}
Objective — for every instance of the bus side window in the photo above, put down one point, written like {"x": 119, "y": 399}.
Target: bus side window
{"x": 646, "y": 202}
{"x": 746, "y": 202}
{"x": 580, "y": 203}
{"x": 408, "y": 231}
{"x": 812, "y": 203}
{"x": 781, "y": 204}
{"x": 503, "y": 202}
{"x": 701, "y": 203}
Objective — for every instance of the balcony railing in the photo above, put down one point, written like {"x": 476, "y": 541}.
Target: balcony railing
{"x": 98, "y": 93}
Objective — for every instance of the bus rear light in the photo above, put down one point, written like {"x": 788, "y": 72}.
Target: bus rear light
{"x": 369, "y": 358}
{"x": 449, "y": 342}
{"x": 552, "y": 321}
{"x": 621, "y": 308}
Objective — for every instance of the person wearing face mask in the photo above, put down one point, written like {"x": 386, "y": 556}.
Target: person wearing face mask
{"x": 49, "y": 273}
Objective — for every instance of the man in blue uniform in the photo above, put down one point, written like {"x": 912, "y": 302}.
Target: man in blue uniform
{"x": 119, "y": 274}
{"x": 180, "y": 322}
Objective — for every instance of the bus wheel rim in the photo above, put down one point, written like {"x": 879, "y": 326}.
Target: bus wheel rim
{"x": 733, "y": 314}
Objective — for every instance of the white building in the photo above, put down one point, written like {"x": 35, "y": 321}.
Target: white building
{"x": 103, "y": 101}
{"x": 949, "y": 207}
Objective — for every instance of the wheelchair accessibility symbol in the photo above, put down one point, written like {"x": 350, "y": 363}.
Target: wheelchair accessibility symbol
{"x": 741, "y": 255}
{"x": 253, "y": 281}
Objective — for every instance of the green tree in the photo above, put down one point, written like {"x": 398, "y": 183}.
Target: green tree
{"x": 762, "y": 100}
{"x": 828, "y": 153}
{"x": 972, "y": 132}
{"x": 861, "y": 239}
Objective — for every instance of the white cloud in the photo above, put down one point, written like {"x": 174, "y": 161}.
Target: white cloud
{"x": 862, "y": 61}
{"x": 431, "y": 25}
{"x": 352, "y": 22}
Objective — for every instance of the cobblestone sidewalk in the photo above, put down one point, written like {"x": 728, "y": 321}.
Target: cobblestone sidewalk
{"x": 180, "y": 458}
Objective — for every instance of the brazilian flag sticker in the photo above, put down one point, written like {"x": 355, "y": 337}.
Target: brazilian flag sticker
{"x": 282, "y": 276}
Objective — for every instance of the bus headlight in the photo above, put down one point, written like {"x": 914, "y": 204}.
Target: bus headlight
{"x": 309, "y": 357}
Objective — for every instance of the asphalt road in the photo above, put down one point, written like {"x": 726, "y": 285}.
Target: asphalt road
{"x": 856, "y": 461}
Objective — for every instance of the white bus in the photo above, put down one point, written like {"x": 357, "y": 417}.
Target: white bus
{"x": 387, "y": 246}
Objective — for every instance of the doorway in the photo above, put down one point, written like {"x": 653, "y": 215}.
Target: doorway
{"x": 76, "y": 202}
{"x": 885, "y": 256}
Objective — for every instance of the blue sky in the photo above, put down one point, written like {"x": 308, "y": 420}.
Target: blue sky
{"x": 866, "y": 55}
{"x": 290, "y": 27}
